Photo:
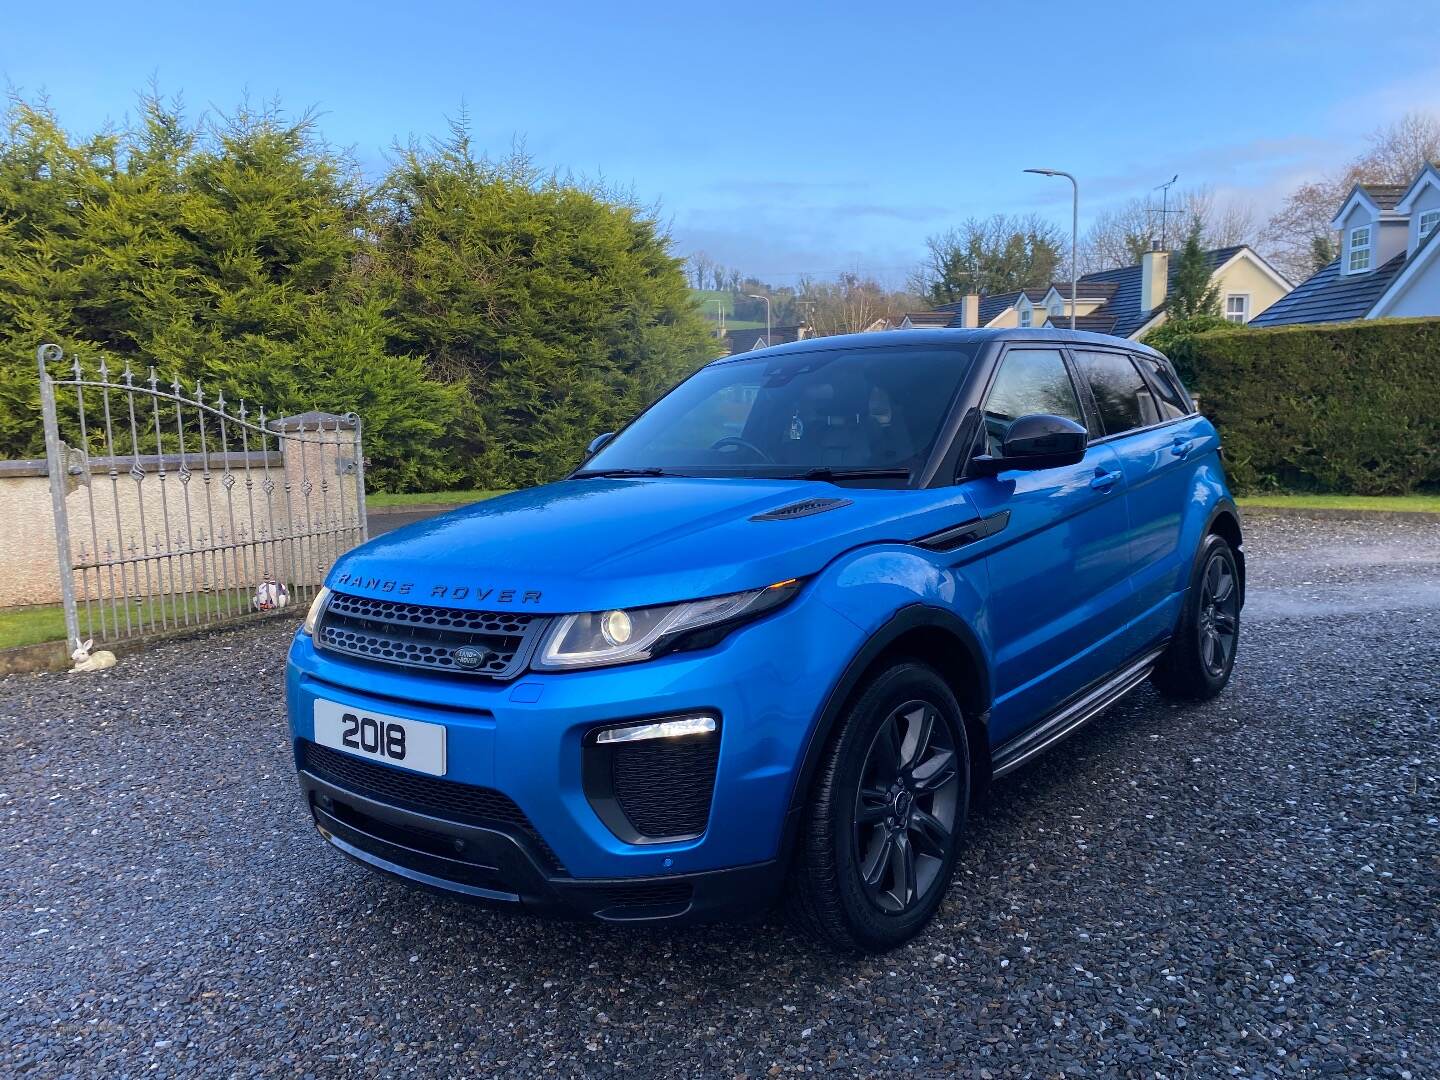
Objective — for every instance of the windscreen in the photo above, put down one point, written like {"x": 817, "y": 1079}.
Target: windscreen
{"x": 786, "y": 415}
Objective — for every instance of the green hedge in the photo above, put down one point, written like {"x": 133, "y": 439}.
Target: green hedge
{"x": 1352, "y": 408}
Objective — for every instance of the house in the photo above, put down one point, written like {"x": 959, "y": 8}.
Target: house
{"x": 738, "y": 341}
{"x": 1388, "y": 264}
{"x": 1129, "y": 301}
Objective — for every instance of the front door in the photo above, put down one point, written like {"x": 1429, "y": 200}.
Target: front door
{"x": 1060, "y": 592}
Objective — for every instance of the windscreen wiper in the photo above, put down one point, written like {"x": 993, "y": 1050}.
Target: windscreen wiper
{"x": 872, "y": 472}
{"x": 585, "y": 474}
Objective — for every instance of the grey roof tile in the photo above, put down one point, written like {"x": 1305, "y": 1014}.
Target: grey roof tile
{"x": 1329, "y": 296}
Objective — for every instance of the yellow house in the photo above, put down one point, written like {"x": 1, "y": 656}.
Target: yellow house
{"x": 1129, "y": 301}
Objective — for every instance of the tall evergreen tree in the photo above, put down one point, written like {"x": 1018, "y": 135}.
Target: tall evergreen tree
{"x": 560, "y": 307}
{"x": 1191, "y": 291}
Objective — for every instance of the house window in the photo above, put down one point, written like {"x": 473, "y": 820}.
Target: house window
{"x": 1428, "y": 220}
{"x": 1360, "y": 248}
{"x": 1025, "y": 316}
{"x": 1237, "y": 307}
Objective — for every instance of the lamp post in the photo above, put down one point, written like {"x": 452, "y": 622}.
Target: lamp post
{"x": 719, "y": 314}
{"x": 757, "y": 296}
{"x": 1074, "y": 236}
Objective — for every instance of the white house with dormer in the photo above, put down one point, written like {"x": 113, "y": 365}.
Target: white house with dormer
{"x": 1389, "y": 262}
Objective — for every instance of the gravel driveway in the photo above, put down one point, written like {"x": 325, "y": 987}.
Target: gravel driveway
{"x": 1243, "y": 888}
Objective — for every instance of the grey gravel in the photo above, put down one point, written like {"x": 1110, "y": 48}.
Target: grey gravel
{"x": 1246, "y": 888}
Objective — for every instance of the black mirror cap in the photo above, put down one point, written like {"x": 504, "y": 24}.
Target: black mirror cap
{"x": 597, "y": 442}
{"x": 1038, "y": 441}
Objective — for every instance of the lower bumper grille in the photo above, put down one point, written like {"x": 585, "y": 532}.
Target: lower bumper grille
{"x": 664, "y": 787}
{"x": 429, "y": 795}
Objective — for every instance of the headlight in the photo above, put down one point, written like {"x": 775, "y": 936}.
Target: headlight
{"x": 617, "y": 637}
{"x": 317, "y": 608}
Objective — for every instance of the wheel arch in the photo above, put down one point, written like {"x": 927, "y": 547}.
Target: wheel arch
{"x": 932, "y": 635}
{"x": 1225, "y": 522}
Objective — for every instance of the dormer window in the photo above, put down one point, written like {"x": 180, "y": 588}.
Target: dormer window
{"x": 1025, "y": 316}
{"x": 1428, "y": 220}
{"x": 1359, "y": 249}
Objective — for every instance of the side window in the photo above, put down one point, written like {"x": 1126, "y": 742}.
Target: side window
{"x": 1029, "y": 381}
{"x": 1168, "y": 394}
{"x": 1121, "y": 395}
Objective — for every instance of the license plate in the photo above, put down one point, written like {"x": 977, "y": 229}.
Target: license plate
{"x": 410, "y": 744}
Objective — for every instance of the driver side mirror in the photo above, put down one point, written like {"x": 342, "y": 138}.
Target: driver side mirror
{"x": 1036, "y": 441}
{"x": 597, "y": 442}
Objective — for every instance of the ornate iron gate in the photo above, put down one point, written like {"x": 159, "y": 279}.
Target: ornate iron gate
{"x": 173, "y": 512}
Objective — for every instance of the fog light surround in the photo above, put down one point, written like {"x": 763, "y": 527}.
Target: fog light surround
{"x": 673, "y": 728}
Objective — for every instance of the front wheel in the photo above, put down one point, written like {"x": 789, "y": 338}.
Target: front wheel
{"x": 1197, "y": 663}
{"x": 882, "y": 825}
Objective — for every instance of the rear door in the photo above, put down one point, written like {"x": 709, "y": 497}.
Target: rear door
{"x": 1060, "y": 593}
{"x": 1151, "y": 426}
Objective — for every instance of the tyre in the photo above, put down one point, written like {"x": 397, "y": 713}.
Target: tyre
{"x": 1197, "y": 663}
{"x": 881, "y": 827}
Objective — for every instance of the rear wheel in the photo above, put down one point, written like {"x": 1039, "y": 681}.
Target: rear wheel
{"x": 1197, "y": 663}
{"x": 882, "y": 825}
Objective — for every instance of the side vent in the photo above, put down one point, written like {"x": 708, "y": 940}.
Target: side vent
{"x": 802, "y": 509}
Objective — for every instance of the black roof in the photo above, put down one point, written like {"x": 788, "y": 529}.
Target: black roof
{"x": 1124, "y": 304}
{"x": 952, "y": 336}
{"x": 1330, "y": 296}
{"x": 1385, "y": 196}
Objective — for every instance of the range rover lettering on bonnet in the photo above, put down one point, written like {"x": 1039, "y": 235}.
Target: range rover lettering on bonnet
{"x": 477, "y": 593}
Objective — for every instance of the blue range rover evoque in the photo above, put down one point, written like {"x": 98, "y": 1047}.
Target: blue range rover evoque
{"x": 771, "y": 639}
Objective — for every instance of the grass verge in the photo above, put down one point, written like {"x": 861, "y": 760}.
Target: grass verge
{"x": 384, "y": 499}
{"x": 1420, "y": 504}
{"x": 32, "y": 625}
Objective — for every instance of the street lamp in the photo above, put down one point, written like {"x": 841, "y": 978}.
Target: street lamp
{"x": 756, "y": 296}
{"x": 719, "y": 314}
{"x": 1074, "y": 236}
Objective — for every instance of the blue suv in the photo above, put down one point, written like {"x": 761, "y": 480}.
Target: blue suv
{"x": 774, "y": 637}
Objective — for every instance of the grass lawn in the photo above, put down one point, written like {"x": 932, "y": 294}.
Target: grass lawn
{"x": 383, "y": 499}
{"x": 32, "y": 625}
{"x": 1402, "y": 503}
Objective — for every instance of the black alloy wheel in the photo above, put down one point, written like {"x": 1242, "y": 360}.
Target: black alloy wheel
{"x": 904, "y": 816}
{"x": 1219, "y": 613}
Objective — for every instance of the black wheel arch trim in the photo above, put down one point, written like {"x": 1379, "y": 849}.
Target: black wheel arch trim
{"x": 1226, "y": 508}
{"x": 911, "y": 617}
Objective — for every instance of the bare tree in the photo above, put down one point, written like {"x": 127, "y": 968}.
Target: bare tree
{"x": 990, "y": 255}
{"x": 1299, "y": 234}
{"x": 1119, "y": 237}
{"x": 849, "y": 304}
{"x": 699, "y": 267}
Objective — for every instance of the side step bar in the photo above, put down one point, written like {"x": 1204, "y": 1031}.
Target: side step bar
{"x": 1072, "y": 717}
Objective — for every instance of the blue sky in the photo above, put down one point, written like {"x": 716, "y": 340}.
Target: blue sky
{"x": 790, "y": 138}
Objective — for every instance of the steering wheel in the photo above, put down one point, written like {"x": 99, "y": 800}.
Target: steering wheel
{"x": 736, "y": 440}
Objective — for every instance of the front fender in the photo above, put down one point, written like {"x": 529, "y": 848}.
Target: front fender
{"x": 889, "y": 591}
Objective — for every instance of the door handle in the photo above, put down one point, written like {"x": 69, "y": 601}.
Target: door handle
{"x": 1180, "y": 447}
{"x": 1104, "y": 481}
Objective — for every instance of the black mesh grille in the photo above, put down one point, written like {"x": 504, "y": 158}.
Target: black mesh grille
{"x": 664, "y": 786}
{"x": 498, "y": 643}
{"x": 804, "y": 508}
{"x": 426, "y": 794}
{"x": 662, "y": 894}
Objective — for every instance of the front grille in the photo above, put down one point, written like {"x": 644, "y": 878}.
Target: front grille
{"x": 499, "y": 643}
{"x": 664, "y": 786}
{"x": 429, "y": 795}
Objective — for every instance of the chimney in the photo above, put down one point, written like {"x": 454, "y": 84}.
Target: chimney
{"x": 1154, "y": 277}
{"x": 970, "y": 310}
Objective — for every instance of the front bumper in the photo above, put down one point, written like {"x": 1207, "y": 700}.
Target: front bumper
{"x": 524, "y": 739}
{"x": 498, "y": 868}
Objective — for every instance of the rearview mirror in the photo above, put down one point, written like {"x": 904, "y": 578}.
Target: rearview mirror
{"x": 1037, "y": 441}
{"x": 597, "y": 442}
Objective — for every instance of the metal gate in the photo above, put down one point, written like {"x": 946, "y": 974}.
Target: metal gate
{"x": 174, "y": 512}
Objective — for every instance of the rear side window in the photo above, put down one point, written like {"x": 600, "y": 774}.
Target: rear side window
{"x": 1121, "y": 394}
{"x": 1168, "y": 394}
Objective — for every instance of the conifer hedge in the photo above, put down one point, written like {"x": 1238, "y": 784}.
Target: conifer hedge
{"x": 1351, "y": 408}
{"x": 484, "y": 319}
